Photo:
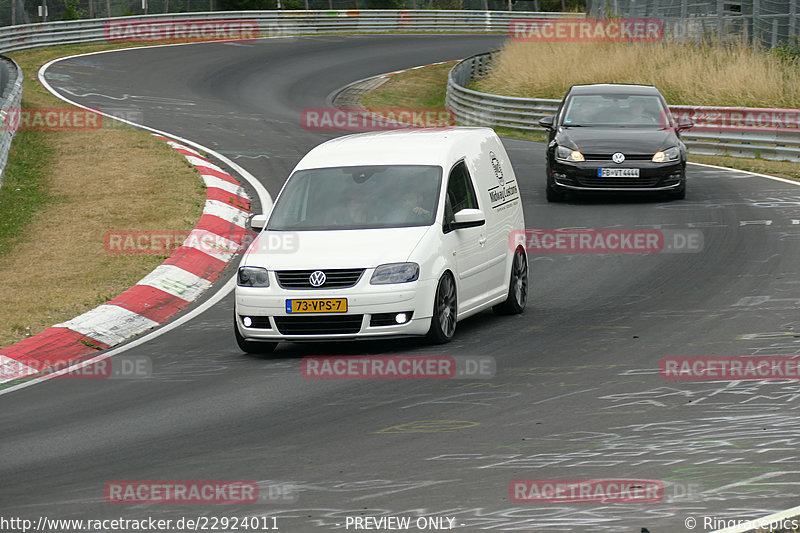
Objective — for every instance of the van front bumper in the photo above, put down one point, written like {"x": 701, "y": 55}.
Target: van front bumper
{"x": 372, "y": 312}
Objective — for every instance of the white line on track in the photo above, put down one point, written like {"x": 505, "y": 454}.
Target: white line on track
{"x": 263, "y": 195}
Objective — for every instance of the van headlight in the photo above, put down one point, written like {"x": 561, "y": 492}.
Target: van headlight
{"x": 670, "y": 154}
{"x": 252, "y": 277}
{"x": 395, "y": 273}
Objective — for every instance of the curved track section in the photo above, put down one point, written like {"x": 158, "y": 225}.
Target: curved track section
{"x": 577, "y": 393}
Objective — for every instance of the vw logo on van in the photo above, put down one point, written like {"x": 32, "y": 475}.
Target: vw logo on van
{"x": 317, "y": 278}
{"x": 618, "y": 158}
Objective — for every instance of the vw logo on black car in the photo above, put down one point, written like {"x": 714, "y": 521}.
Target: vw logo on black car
{"x": 317, "y": 278}
{"x": 618, "y": 158}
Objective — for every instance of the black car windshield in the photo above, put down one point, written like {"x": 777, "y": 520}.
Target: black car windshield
{"x": 615, "y": 110}
{"x": 343, "y": 198}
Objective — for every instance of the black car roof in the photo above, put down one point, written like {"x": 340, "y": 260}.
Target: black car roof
{"x": 614, "y": 88}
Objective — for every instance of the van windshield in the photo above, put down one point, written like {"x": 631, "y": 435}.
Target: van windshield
{"x": 365, "y": 197}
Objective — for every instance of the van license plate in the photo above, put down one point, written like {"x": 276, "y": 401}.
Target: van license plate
{"x": 617, "y": 172}
{"x": 318, "y": 305}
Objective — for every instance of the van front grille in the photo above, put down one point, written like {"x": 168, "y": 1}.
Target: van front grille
{"x": 335, "y": 278}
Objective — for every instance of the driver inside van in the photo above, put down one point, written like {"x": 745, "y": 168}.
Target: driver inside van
{"x": 410, "y": 208}
{"x": 352, "y": 209}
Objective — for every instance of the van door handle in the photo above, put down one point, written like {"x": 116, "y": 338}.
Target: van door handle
{"x": 482, "y": 241}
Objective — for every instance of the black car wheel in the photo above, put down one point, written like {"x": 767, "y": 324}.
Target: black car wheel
{"x": 679, "y": 194}
{"x": 443, "y": 322}
{"x": 553, "y": 194}
{"x": 517, "y": 287}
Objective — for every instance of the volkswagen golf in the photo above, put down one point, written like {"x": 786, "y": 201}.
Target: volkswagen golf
{"x": 613, "y": 138}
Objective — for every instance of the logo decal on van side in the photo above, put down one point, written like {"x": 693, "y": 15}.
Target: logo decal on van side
{"x": 498, "y": 170}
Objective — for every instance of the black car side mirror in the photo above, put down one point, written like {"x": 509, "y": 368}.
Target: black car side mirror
{"x": 547, "y": 122}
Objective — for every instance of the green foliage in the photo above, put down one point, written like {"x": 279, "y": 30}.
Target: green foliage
{"x": 71, "y": 10}
{"x": 386, "y": 4}
{"x": 245, "y": 5}
{"x": 789, "y": 51}
{"x": 445, "y": 4}
{"x": 558, "y": 5}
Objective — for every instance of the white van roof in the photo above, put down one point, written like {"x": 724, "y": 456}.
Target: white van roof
{"x": 428, "y": 146}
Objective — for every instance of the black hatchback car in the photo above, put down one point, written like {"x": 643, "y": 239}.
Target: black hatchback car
{"x": 614, "y": 138}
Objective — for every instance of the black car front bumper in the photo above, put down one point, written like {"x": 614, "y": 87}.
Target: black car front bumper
{"x": 583, "y": 176}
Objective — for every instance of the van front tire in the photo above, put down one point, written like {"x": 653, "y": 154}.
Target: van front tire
{"x": 443, "y": 321}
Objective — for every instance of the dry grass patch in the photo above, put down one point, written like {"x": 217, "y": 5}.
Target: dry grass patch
{"x": 55, "y": 266}
{"x": 734, "y": 75}
{"x": 419, "y": 88}
{"x": 426, "y": 87}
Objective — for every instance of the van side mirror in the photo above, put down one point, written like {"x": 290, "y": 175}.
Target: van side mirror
{"x": 547, "y": 122}
{"x": 257, "y": 222}
{"x": 468, "y": 218}
{"x": 685, "y": 124}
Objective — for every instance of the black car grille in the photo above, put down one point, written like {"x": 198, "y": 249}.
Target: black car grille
{"x": 619, "y": 182}
{"x": 338, "y": 278}
{"x": 318, "y": 325}
{"x": 628, "y": 157}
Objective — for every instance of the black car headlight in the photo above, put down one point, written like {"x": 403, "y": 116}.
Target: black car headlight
{"x": 568, "y": 154}
{"x": 395, "y": 273}
{"x": 252, "y": 277}
{"x": 670, "y": 154}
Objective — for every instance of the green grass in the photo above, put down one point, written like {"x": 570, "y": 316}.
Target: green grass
{"x": 420, "y": 88}
{"x": 25, "y": 186}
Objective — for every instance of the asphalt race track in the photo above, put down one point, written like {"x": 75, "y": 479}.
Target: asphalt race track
{"x": 577, "y": 394}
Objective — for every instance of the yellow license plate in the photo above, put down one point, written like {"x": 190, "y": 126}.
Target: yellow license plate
{"x": 318, "y": 305}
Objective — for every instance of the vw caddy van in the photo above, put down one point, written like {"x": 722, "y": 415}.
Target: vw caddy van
{"x": 385, "y": 234}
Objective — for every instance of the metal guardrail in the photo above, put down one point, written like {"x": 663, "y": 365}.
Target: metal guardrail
{"x": 750, "y": 140}
{"x": 266, "y": 24}
{"x": 11, "y": 97}
{"x": 279, "y": 23}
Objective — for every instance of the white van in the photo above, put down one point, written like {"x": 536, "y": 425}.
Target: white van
{"x": 385, "y": 234}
